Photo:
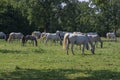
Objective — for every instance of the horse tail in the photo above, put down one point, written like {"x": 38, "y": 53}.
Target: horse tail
{"x": 65, "y": 41}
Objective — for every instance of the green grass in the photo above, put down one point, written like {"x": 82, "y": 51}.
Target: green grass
{"x": 51, "y": 62}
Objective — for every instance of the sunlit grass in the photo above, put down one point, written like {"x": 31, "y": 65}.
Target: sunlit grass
{"x": 50, "y": 62}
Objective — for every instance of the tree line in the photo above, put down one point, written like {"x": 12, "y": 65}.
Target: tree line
{"x": 24, "y": 16}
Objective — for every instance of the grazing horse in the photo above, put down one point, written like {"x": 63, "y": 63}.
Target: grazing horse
{"x": 94, "y": 37}
{"x": 37, "y": 34}
{"x": 78, "y": 40}
{"x": 29, "y": 37}
{"x": 2, "y": 35}
{"x": 53, "y": 37}
{"x": 14, "y": 35}
{"x": 111, "y": 36}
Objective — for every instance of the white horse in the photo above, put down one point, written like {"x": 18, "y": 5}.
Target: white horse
{"x": 111, "y": 36}
{"x": 14, "y": 35}
{"x": 78, "y": 40}
{"x": 2, "y": 35}
{"x": 94, "y": 37}
{"x": 54, "y": 37}
{"x": 37, "y": 34}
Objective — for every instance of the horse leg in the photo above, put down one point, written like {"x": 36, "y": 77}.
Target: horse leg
{"x": 23, "y": 43}
{"x": 93, "y": 50}
{"x": 67, "y": 51}
{"x": 46, "y": 41}
{"x": 115, "y": 39}
{"x": 83, "y": 48}
{"x": 87, "y": 46}
{"x": 80, "y": 46}
{"x": 92, "y": 46}
{"x": 101, "y": 44}
{"x": 72, "y": 49}
{"x": 35, "y": 42}
{"x": 55, "y": 41}
{"x": 60, "y": 42}
{"x": 67, "y": 48}
{"x": 96, "y": 44}
{"x": 9, "y": 39}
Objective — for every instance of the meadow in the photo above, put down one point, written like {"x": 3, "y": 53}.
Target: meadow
{"x": 50, "y": 62}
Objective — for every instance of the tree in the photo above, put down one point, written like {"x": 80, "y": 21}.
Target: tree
{"x": 12, "y": 19}
{"x": 108, "y": 12}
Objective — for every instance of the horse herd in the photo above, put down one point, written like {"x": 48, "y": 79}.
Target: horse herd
{"x": 87, "y": 40}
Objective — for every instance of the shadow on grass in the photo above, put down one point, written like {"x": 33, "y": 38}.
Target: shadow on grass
{"x": 21, "y": 51}
{"x": 9, "y": 51}
{"x": 58, "y": 74}
{"x": 40, "y": 50}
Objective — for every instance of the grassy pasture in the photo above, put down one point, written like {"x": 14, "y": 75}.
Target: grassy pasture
{"x": 50, "y": 62}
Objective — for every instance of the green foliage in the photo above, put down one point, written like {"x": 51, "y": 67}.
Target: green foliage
{"x": 12, "y": 19}
{"x": 109, "y": 11}
{"x": 118, "y": 32}
{"x": 25, "y": 16}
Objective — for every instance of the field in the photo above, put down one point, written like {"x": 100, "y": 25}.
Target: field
{"x": 50, "y": 62}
